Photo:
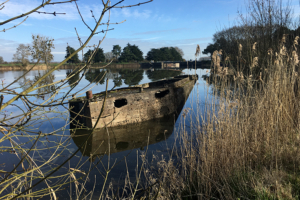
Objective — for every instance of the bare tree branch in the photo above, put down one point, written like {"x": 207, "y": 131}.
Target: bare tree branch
{"x": 104, "y": 31}
{"x": 4, "y": 3}
{"x": 82, "y": 17}
{"x": 114, "y": 23}
{"x": 70, "y": 1}
{"x": 93, "y": 16}
{"x": 53, "y": 13}
{"x": 130, "y": 5}
{"x": 15, "y": 26}
{"x": 48, "y": 2}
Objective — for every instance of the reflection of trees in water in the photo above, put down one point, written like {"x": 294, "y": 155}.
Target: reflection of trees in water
{"x": 95, "y": 76}
{"x": 46, "y": 90}
{"x": 24, "y": 83}
{"x": 117, "y": 81}
{"x": 114, "y": 75}
{"x": 74, "y": 78}
{"x": 160, "y": 74}
{"x": 131, "y": 77}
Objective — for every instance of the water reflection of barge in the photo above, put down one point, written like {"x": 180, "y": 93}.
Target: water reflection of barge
{"x": 133, "y": 104}
{"x": 121, "y": 138}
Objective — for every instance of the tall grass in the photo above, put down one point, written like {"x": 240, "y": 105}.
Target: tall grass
{"x": 247, "y": 144}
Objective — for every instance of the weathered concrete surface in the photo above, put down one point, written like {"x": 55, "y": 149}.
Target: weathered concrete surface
{"x": 133, "y": 105}
{"x": 122, "y": 138}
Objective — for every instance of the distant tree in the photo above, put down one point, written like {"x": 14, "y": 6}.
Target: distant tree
{"x": 69, "y": 51}
{"x": 176, "y": 56}
{"x": 127, "y": 56}
{"x": 164, "y": 54}
{"x": 116, "y": 51}
{"x": 87, "y": 55}
{"x": 210, "y": 49}
{"x": 108, "y": 56}
{"x": 99, "y": 56}
{"x": 136, "y": 51}
{"x": 1, "y": 60}
{"x": 22, "y": 54}
{"x": 154, "y": 54}
{"x": 180, "y": 51}
{"x": 41, "y": 48}
{"x": 131, "y": 53}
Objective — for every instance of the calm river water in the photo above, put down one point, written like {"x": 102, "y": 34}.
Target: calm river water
{"x": 125, "y": 144}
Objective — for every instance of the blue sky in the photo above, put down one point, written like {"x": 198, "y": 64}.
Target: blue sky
{"x": 158, "y": 24}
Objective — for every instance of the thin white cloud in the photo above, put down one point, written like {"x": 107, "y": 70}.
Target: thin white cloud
{"x": 61, "y": 29}
{"x": 160, "y": 31}
{"x": 194, "y": 43}
{"x": 127, "y": 12}
{"x": 154, "y": 38}
{"x": 163, "y": 18}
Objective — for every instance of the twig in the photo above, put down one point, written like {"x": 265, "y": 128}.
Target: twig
{"x": 104, "y": 31}
{"x": 21, "y": 159}
{"x": 114, "y": 23}
{"x": 82, "y": 17}
{"x": 53, "y": 13}
{"x": 130, "y": 5}
{"x": 15, "y": 26}
{"x": 25, "y": 14}
{"x": 70, "y": 1}
{"x": 93, "y": 15}
{"x": 1, "y": 100}
{"x": 79, "y": 39}
{"x": 4, "y": 2}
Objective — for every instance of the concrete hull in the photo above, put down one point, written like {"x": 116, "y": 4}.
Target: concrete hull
{"x": 132, "y": 105}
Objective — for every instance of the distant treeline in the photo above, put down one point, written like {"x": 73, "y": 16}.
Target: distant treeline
{"x": 130, "y": 53}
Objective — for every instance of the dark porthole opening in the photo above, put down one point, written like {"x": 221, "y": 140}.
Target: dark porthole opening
{"x": 161, "y": 94}
{"x": 122, "y": 145}
{"x": 120, "y": 103}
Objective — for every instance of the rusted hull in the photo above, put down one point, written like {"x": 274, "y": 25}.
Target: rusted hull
{"x": 132, "y": 105}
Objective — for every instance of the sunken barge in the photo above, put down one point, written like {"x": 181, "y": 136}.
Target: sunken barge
{"x": 132, "y": 104}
